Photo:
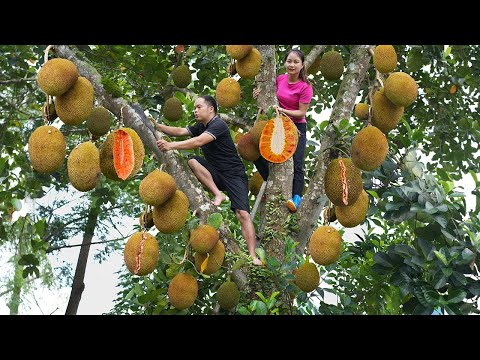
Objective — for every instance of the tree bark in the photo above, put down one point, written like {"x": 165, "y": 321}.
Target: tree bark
{"x": 315, "y": 199}
{"x": 78, "y": 285}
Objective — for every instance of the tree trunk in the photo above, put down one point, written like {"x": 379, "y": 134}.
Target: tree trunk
{"x": 18, "y": 281}
{"x": 78, "y": 285}
{"x": 314, "y": 199}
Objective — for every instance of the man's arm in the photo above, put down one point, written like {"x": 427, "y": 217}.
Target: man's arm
{"x": 173, "y": 131}
{"x": 192, "y": 143}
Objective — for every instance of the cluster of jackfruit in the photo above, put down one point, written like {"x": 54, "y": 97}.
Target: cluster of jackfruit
{"x": 209, "y": 250}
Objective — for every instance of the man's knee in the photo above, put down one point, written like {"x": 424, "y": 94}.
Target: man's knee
{"x": 192, "y": 163}
{"x": 242, "y": 214}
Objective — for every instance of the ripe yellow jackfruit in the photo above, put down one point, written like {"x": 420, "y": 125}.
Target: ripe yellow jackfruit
{"x": 56, "y": 76}
{"x": 228, "y": 295}
{"x": 47, "y": 149}
{"x": 307, "y": 277}
{"x": 401, "y": 89}
{"x": 171, "y": 216}
{"x": 343, "y": 182}
{"x": 157, "y": 187}
{"x": 385, "y": 114}
{"x": 361, "y": 111}
{"x": 75, "y": 106}
{"x": 215, "y": 259}
{"x": 369, "y": 148}
{"x": 325, "y": 245}
{"x": 228, "y": 93}
{"x": 182, "y": 291}
{"x": 353, "y": 215}
{"x": 249, "y": 66}
{"x": 141, "y": 253}
{"x": 83, "y": 165}
{"x": 385, "y": 58}
{"x": 238, "y": 51}
{"x": 203, "y": 238}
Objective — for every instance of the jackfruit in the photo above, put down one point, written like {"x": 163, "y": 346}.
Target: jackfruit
{"x": 325, "y": 245}
{"x": 256, "y": 131}
{"x": 76, "y": 105}
{"x": 314, "y": 68}
{"x": 181, "y": 76}
{"x": 343, "y": 182}
{"x": 47, "y": 149}
{"x": 146, "y": 221}
{"x": 255, "y": 183}
{"x": 215, "y": 259}
{"x": 385, "y": 114}
{"x": 56, "y": 76}
{"x": 385, "y": 58}
{"x": 361, "y": 111}
{"x": 83, "y": 166}
{"x": 106, "y": 155}
{"x": 247, "y": 149}
{"x": 172, "y": 109}
{"x": 228, "y": 93}
{"x": 401, "y": 89}
{"x": 249, "y": 66}
{"x": 238, "y": 51}
{"x": 307, "y": 277}
{"x": 182, "y": 291}
{"x": 353, "y": 215}
{"x": 228, "y": 295}
{"x": 141, "y": 253}
{"x": 331, "y": 65}
{"x": 98, "y": 123}
{"x": 171, "y": 216}
{"x": 369, "y": 148}
{"x": 204, "y": 238}
{"x": 157, "y": 187}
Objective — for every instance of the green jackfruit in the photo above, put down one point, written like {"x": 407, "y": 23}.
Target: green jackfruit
{"x": 331, "y": 65}
{"x": 171, "y": 216}
{"x": 203, "y": 238}
{"x": 343, "y": 182}
{"x": 307, "y": 277}
{"x": 385, "y": 114}
{"x": 249, "y": 66}
{"x": 99, "y": 121}
{"x": 238, "y": 51}
{"x": 215, "y": 259}
{"x": 361, "y": 111}
{"x": 181, "y": 76}
{"x": 172, "y": 109}
{"x": 228, "y": 295}
{"x": 353, "y": 215}
{"x": 255, "y": 183}
{"x": 401, "y": 89}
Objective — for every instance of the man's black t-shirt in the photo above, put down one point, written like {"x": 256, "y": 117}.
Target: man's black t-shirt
{"x": 221, "y": 152}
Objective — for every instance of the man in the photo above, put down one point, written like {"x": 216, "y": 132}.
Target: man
{"x": 221, "y": 169}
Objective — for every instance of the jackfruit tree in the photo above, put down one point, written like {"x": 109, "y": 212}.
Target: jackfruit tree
{"x": 415, "y": 243}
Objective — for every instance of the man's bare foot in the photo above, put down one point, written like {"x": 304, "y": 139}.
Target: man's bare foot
{"x": 219, "y": 199}
{"x": 256, "y": 261}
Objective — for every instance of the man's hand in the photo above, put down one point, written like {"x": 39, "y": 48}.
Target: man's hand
{"x": 164, "y": 145}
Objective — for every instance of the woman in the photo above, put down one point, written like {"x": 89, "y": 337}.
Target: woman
{"x": 294, "y": 93}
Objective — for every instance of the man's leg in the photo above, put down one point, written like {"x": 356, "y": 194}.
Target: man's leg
{"x": 248, "y": 232}
{"x": 205, "y": 177}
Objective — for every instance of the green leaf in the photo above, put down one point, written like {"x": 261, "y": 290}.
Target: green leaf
{"x": 323, "y": 125}
{"x": 373, "y": 193}
{"x": 456, "y": 296}
{"x": 130, "y": 294}
{"x": 441, "y": 257}
{"x": 382, "y": 259}
{"x": 238, "y": 264}
{"x": 343, "y": 124}
{"x": 440, "y": 280}
{"x": 17, "y": 204}
{"x": 215, "y": 220}
{"x": 447, "y": 51}
{"x": 242, "y": 310}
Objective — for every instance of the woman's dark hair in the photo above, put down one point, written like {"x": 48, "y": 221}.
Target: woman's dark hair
{"x": 210, "y": 101}
{"x": 303, "y": 73}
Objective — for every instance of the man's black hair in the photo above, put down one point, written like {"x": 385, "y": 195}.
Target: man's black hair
{"x": 210, "y": 100}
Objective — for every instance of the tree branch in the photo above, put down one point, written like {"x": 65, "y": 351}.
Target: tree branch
{"x": 316, "y": 51}
{"x": 15, "y": 81}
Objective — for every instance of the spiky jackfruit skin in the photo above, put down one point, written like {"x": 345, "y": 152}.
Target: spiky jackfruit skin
{"x": 307, "y": 277}
{"x": 171, "y": 216}
{"x": 256, "y": 131}
{"x": 215, "y": 259}
{"x": 83, "y": 166}
{"x": 255, "y": 183}
{"x": 47, "y": 149}
{"x": 228, "y": 93}
{"x": 75, "y": 106}
{"x": 369, "y": 148}
{"x": 228, "y": 295}
{"x": 325, "y": 245}
{"x": 331, "y": 65}
{"x": 141, "y": 259}
{"x": 315, "y": 67}
{"x": 204, "y": 238}
{"x": 361, "y": 111}
{"x": 353, "y": 215}
{"x": 182, "y": 291}
{"x": 238, "y": 51}
{"x": 172, "y": 109}
{"x": 249, "y": 66}
{"x": 148, "y": 221}
{"x": 98, "y": 123}
{"x": 181, "y": 76}
{"x": 385, "y": 114}
{"x": 106, "y": 155}
{"x": 157, "y": 187}
{"x": 56, "y": 76}
{"x": 385, "y": 58}
{"x": 246, "y": 148}
{"x": 333, "y": 182}
{"x": 401, "y": 89}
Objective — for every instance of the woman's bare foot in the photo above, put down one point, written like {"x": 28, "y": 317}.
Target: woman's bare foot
{"x": 256, "y": 261}
{"x": 219, "y": 199}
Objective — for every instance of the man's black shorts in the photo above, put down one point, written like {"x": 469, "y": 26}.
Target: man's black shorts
{"x": 236, "y": 186}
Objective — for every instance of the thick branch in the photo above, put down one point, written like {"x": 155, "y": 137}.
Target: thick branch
{"x": 316, "y": 51}
{"x": 314, "y": 200}
{"x": 14, "y": 81}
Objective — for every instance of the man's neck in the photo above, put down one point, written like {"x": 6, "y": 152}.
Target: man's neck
{"x": 206, "y": 122}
